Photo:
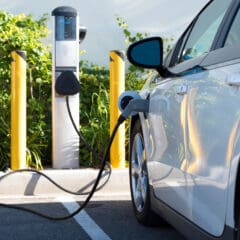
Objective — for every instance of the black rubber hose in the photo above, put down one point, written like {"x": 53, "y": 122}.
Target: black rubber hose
{"x": 89, "y": 148}
{"x": 103, "y": 163}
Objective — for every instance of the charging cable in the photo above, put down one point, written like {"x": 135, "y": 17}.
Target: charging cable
{"x": 135, "y": 105}
{"x": 88, "y": 147}
{"x": 108, "y": 169}
{"x": 104, "y": 160}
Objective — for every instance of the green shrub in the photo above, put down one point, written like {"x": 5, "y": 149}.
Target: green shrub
{"x": 22, "y": 32}
{"x": 94, "y": 111}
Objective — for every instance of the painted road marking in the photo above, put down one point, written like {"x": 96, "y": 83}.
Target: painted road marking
{"x": 83, "y": 219}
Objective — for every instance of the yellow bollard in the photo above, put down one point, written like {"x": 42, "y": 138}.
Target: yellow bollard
{"x": 18, "y": 110}
{"x": 117, "y": 86}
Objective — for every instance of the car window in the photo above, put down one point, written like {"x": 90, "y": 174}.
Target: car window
{"x": 183, "y": 41}
{"x": 204, "y": 30}
{"x": 233, "y": 36}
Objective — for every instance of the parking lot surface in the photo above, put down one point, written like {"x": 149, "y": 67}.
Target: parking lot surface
{"x": 105, "y": 217}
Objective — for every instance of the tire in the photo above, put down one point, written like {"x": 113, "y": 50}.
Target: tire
{"x": 138, "y": 175}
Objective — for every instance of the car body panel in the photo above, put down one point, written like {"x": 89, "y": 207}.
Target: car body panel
{"x": 192, "y": 135}
{"x": 212, "y": 134}
{"x": 188, "y": 166}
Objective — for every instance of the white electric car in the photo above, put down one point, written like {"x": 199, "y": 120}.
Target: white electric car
{"x": 185, "y": 152}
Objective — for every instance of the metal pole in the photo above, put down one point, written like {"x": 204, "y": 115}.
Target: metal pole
{"x": 117, "y": 86}
{"x": 18, "y": 110}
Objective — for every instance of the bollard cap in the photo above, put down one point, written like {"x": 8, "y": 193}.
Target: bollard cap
{"x": 120, "y": 53}
{"x": 22, "y": 54}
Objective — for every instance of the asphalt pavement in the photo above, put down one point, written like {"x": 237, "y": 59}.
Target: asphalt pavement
{"x": 108, "y": 216}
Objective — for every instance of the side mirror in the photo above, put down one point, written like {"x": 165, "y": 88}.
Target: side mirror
{"x": 147, "y": 53}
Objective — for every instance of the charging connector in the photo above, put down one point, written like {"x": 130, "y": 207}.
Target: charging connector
{"x": 134, "y": 105}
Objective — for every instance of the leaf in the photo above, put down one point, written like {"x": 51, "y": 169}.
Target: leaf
{"x": 127, "y": 33}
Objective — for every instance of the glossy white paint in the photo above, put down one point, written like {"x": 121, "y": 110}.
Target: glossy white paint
{"x": 192, "y": 143}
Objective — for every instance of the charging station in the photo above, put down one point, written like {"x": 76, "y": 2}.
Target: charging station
{"x": 65, "y": 67}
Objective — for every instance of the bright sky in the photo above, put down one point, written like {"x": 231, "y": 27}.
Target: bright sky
{"x": 157, "y": 17}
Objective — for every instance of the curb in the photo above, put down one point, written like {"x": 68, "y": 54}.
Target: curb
{"x": 77, "y": 180}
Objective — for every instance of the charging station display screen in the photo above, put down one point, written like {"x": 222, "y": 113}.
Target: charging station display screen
{"x": 65, "y": 28}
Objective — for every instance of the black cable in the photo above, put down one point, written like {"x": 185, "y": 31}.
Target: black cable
{"x": 103, "y": 163}
{"x": 89, "y": 148}
{"x": 134, "y": 105}
{"x": 94, "y": 188}
{"x": 76, "y": 129}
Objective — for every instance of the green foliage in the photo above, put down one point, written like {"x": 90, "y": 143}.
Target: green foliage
{"x": 135, "y": 76}
{"x": 129, "y": 37}
{"x": 22, "y": 32}
{"x": 94, "y": 111}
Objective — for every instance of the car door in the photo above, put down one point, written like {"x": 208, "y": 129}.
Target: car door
{"x": 175, "y": 133}
{"x": 213, "y": 119}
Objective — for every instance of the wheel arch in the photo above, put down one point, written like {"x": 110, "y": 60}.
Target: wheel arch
{"x": 133, "y": 120}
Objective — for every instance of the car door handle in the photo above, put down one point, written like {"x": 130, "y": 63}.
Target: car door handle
{"x": 181, "y": 90}
{"x": 234, "y": 80}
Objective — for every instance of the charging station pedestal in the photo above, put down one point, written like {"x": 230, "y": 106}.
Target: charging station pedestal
{"x": 65, "y": 141}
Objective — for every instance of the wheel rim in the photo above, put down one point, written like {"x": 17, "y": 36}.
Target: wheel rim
{"x": 139, "y": 173}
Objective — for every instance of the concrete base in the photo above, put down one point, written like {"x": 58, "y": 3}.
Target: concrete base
{"x": 80, "y": 180}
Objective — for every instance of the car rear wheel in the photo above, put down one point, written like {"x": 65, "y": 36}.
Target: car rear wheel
{"x": 139, "y": 179}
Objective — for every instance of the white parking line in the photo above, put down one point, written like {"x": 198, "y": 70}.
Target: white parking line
{"x": 83, "y": 219}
